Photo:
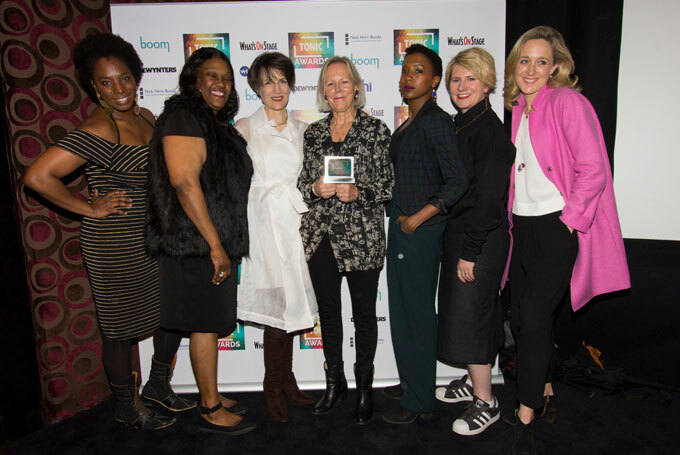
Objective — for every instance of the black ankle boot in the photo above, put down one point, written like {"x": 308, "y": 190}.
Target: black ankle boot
{"x": 157, "y": 389}
{"x": 524, "y": 438}
{"x": 129, "y": 409}
{"x": 364, "y": 407}
{"x": 336, "y": 389}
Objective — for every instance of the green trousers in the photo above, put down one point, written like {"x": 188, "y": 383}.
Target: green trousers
{"x": 412, "y": 273}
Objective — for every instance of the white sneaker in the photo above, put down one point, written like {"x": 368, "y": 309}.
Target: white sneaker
{"x": 458, "y": 390}
{"x": 478, "y": 416}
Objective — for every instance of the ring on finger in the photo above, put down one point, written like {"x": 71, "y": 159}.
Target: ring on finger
{"x": 221, "y": 274}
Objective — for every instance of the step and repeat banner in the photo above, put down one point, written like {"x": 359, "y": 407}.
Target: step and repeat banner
{"x": 374, "y": 35}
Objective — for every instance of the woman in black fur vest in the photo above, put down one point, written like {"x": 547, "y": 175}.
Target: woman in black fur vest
{"x": 199, "y": 176}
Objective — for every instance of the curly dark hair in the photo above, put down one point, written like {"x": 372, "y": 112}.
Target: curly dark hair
{"x": 269, "y": 61}
{"x": 103, "y": 45}
{"x": 189, "y": 73}
{"x": 430, "y": 55}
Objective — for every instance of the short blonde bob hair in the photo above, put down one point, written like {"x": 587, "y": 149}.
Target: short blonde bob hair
{"x": 479, "y": 62}
{"x": 562, "y": 77}
{"x": 359, "y": 99}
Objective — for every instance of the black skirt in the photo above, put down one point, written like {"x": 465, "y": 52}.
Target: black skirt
{"x": 190, "y": 303}
{"x": 470, "y": 315}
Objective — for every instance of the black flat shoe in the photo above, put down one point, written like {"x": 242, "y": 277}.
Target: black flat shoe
{"x": 403, "y": 416}
{"x": 244, "y": 426}
{"x": 393, "y": 391}
{"x": 237, "y": 408}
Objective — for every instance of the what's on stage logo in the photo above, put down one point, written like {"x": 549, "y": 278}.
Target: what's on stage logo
{"x": 403, "y": 38}
{"x": 311, "y": 339}
{"x": 195, "y": 41}
{"x": 234, "y": 342}
{"x": 310, "y": 49}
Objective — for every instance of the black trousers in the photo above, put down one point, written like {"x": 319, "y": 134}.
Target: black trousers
{"x": 543, "y": 257}
{"x": 363, "y": 290}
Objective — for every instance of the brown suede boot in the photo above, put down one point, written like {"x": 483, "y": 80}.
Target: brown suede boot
{"x": 290, "y": 388}
{"x": 274, "y": 354}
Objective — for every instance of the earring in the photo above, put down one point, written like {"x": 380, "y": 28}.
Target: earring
{"x": 356, "y": 94}
{"x": 136, "y": 109}
{"x": 108, "y": 110}
{"x": 434, "y": 95}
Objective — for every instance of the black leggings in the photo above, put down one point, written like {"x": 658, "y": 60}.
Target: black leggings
{"x": 117, "y": 355}
{"x": 363, "y": 290}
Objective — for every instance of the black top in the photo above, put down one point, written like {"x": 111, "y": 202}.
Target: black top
{"x": 430, "y": 169}
{"x": 182, "y": 122}
{"x": 489, "y": 155}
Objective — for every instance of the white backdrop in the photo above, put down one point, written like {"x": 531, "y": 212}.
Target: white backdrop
{"x": 373, "y": 34}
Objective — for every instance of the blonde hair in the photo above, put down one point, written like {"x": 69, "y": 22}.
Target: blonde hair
{"x": 479, "y": 62}
{"x": 562, "y": 77}
{"x": 359, "y": 99}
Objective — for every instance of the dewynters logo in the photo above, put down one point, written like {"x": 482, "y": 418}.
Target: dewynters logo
{"x": 234, "y": 342}
{"x": 195, "y": 41}
{"x": 311, "y": 339}
{"x": 310, "y": 49}
{"x": 404, "y": 38}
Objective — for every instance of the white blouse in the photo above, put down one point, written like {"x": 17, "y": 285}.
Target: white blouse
{"x": 535, "y": 195}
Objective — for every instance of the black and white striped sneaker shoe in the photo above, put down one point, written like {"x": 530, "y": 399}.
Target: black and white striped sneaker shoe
{"x": 457, "y": 390}
{"x": 478, "y": 416}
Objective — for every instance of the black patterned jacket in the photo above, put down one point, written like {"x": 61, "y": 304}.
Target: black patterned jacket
{"x": 357, "y": 229}
{"x": 430, "y": 169}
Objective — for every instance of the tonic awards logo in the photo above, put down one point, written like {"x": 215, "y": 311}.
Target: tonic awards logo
{"x": 311, "y": 339}
{"x": 234, "y": 342}
{"x": 310, "y": 49}
{"x": 400, "y": 115}
{"x": 428, "y": 37}
{"x": 195, "y": 41}
{"x": 307, "y": 115}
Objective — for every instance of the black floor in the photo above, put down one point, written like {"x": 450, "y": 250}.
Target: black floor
{"x": 584, "y": 426}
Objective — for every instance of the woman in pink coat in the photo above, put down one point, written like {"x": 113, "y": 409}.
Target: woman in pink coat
{"x": 566, "y": 233}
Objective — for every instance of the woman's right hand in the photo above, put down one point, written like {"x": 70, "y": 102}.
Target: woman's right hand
{"x": 324, "y": 190}
{"x": 111, "y": 203}
{"x": 221, "y": 263}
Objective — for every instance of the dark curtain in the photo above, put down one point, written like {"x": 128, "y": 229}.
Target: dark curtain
{"x": 592, "y": 30}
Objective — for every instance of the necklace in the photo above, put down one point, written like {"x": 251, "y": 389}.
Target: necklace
{"x": 486, "y": 108}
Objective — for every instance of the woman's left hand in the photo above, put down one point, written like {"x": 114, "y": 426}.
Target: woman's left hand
{"x": 346, "y": 192}
{"x": 466, "y": 271}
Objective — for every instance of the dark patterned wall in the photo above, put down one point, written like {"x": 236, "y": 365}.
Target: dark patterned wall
{"x": 43, "y": 103}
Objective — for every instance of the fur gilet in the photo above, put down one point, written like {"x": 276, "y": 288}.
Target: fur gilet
{"x": 225, "y": 181}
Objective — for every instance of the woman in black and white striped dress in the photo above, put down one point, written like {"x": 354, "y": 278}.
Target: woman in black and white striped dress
{"x": 112, "y": 143}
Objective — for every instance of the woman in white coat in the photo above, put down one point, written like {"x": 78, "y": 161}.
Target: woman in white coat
{"x": 276, "y": 290}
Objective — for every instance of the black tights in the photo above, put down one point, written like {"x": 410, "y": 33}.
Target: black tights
{"x": 117, "y": 355}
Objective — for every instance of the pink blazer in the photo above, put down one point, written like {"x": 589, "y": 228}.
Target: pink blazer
{"x": 567, "y": 139}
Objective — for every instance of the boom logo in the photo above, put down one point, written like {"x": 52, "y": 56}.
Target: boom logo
{"x": 234, "y": 342}
{"x": 310, "y": 49}
{"x": 428, "y": 37}
{"x": 195, "y": 41}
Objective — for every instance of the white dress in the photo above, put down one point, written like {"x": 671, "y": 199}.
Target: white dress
{"x": 275, "y": 288}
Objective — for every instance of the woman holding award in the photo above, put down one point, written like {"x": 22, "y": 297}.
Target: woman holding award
{"x": 344, "y": 232}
